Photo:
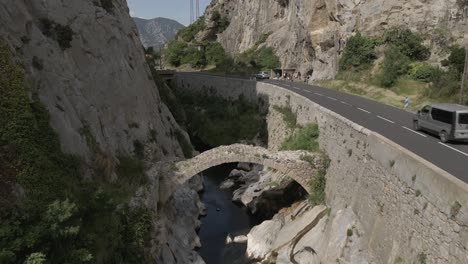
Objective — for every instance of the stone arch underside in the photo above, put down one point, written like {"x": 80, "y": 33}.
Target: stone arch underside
{"x": 289, "y": 163}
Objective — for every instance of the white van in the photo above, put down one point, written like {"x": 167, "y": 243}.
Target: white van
{"x": 449, "y": 121}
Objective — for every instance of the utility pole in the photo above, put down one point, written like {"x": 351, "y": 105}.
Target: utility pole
{"x": 464, "y": 75}
{"x": 197, "y": 9}
{"x": 191, "y": 12}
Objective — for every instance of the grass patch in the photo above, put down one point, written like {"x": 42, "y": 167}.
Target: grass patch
{"x": 318, "y": 183}
{"x": 349, "y": 232}
{"x": 303, "y": 139}
{"x": 289, "y": 117}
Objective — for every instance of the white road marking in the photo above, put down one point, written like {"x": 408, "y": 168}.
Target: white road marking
{"x": 318, "y": 94}
{"x": 297, "y": 88}
{"x": 364, "y": 110}
{"x": 459, "y": 151}
{"x": 344, "y": 103}
{"x": 306, "y": 91}
{"x": 331, "y": 98}
{"x": 409, "y": 129}
{"x": 388, "y": 120}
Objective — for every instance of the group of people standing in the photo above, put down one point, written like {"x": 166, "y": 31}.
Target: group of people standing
{"x": 292, "y": 76}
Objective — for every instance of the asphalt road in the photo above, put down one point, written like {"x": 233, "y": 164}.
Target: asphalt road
{"x": 393, "y": 123}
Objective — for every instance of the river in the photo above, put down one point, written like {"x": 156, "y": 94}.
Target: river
{"x": 223, "y": 218}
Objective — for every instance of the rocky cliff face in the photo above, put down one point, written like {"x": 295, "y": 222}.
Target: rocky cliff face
{"x": 84, "y": 61}
{"x": 156, "y": 32}
{"x": 309, "y": 35}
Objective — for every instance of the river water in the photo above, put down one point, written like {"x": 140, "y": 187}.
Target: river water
{"x": 223, "y": 218}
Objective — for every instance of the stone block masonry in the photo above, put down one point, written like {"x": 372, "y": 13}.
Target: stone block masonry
{"x": 409, "y": 208}
{"x": 289, "y": 163}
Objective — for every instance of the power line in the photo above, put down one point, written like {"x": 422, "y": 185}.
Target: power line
{"x": 191, "y": 12}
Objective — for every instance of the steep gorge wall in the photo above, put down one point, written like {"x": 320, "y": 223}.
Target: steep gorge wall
{"x": 406, "y": 207}
{"x": 84, "y": 62}
{"x": 311, "y": 34}
{"x": 100, "y": 84}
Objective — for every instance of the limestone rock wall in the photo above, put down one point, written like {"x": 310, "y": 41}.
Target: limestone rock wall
{"x": 100, "y": 85}
{"x": 309, "y": 35}
{"x": 404, "y": 206}
{"x": 84, "y": 62}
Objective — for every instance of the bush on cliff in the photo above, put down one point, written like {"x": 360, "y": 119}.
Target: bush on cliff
{"x": 175, "y": 52}
{"x": 303, "y": 139}
{"x": 409, "y": 43}
{"x": 359, "y": 53}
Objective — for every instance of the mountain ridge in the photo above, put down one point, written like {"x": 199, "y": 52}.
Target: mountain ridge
{"x": 157, "y": 31}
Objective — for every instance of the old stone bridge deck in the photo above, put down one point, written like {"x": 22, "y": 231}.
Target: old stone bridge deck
{"x": 290, "y": 163}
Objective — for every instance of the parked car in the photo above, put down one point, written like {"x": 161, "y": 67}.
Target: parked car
{"x": 449, "y": 121}
{"x": 262, "y": 75}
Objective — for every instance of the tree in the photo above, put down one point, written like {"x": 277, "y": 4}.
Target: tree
{"x": 456, "y": 60}
{"x": 194, "y": 57}
{"x": 395, "y": 64}
{"x": 267, "y": 59}
{"x": 359, "y": 52}
{"x": 215, "y": 54}
{"x": 175, "y": 52}
{"x": 409, "y": 43}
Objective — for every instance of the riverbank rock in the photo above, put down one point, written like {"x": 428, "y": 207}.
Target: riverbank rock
{"x": 308, "y": 234}
{"x": 264, "y": 191}
{"x": 178, "y": 223}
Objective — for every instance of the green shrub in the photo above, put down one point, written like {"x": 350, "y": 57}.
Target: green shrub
{"x": 255, "y": 59}
{"x": 216, "y": 121}
{"x": 266, "y": 59}
{"x": 456, "y": 60}
{"x": 359, "y": 52}
{"x": 444, "y": 83}
{"x": 220, "y": 22}
{"x": 194, "y": 58}
{"x": 318, "y": 184}
{"x": 215, "y": 54}
{"x": 394, "y": 65}
{"x": 422, "y": 71}
{"x": 304, "y": 139}
{"x": 188, "y": 34}
{"x": 408, "y": 42}
{"x": 175, "y": 52}
{"x": 62, "y": 34}
{"x": 289, "y": 117}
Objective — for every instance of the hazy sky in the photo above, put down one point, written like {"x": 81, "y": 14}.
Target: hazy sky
{"x": 174, "y": 9}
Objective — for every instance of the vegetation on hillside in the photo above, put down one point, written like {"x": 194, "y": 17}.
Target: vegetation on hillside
{"x": 185, "y": 50}
{"x": 404, "y": 69}
{"x": 304, "y": 138}
{"x": 55, "y": 216}
{"x": 216, "y": 121}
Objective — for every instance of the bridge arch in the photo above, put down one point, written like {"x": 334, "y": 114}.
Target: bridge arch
{"x": 289, "y": 163}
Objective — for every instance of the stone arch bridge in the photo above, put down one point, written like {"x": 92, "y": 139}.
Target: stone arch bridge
{"x": 290, "y": 163}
